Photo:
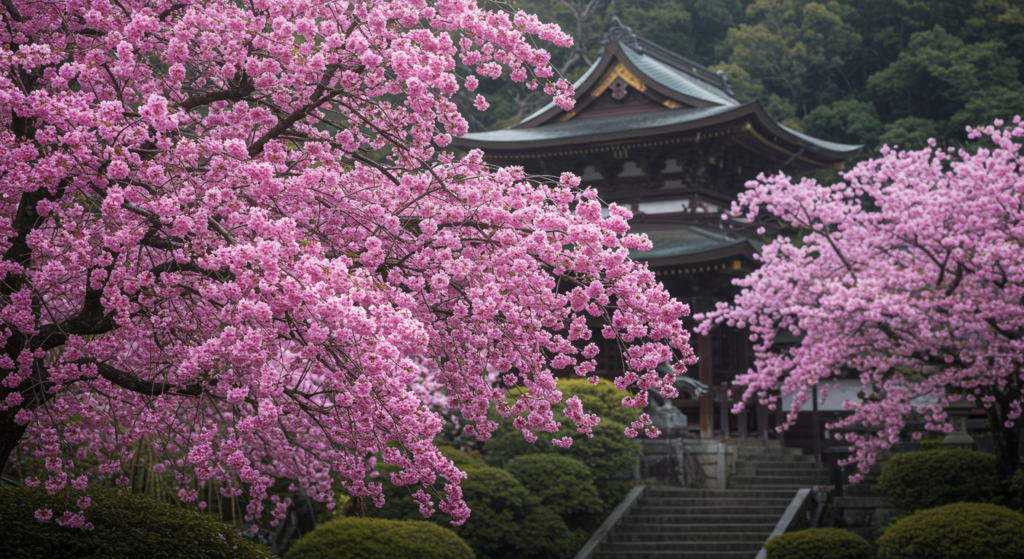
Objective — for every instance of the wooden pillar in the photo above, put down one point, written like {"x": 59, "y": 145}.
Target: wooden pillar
{"x": 816, "y": 427}
{"x": 762, "y": 421}
{"x": 707, "y": 406}
{"x": 723, "y": 408}
{"x": 779, "y": 418}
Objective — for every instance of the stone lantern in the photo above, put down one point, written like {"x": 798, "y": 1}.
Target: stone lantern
{"x": 958, "y": 412}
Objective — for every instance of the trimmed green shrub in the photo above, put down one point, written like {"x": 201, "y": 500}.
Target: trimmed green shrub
{"x": 461, "y": 459}
{"x": 563, "y": 484}
{"x": 124, "y": 526}
{"x": 602, "y": 398}
{"x": 957, "y": 531}
{"x": 608, "y": 454}
{"x": 365, "y": 538}
{"x": 819, "y": 543}
{"x": 507, "y": 522}
{"x": 930, "y": 478}
{"x": 1016, "y": 489}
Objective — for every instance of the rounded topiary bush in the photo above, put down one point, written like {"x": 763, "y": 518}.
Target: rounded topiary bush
{"x": 124, "y": 526}
{"x": 932, "y": 478}
{"x": 365, "y": 538}
{"x": 957, "y": 531}
{"x": 1017, "y": 489}
{"x": 819, "y": 543}
{"x": 507, "y": 522}
{"x": 564, "y": 484}
{"x": 608, "y": 454}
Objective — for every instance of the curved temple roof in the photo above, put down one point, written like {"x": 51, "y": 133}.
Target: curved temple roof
{"x": 693, "y": 98}
{"x": 688, "y": 244}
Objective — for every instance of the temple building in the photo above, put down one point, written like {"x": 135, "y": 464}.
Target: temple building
{"x": 663, "y": 135}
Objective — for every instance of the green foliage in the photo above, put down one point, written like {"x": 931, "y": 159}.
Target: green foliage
{"x": 125, "y": 526}
{"x": 563, "y": 484}
{"x": 957, "y": 531}
{"x": 790, "y": 44}
{"x": 602, "y": 398}
{"x": 363, "y": 538}
{"x": 848, "y": 120}
{"x": 910, "y": 133}
{"x": 609, "y": 453}
{"x": 1016, "y": 490}
{"x": 503, "y": 512}
{"x": 819, "y": 543}
{"x": 462, "y": 460}
{"x": 931, "y": 478}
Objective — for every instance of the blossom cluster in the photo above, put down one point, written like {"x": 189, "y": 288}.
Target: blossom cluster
{"x": 231, "y": 238}
{"x": 908, "y": 273}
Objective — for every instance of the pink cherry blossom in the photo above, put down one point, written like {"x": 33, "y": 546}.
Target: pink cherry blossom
{"x": 909, "y": 274}
{"x": 229, "y": 237}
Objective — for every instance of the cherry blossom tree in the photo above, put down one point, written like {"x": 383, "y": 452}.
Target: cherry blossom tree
{"x": 230, "y": 233}
{"x": 910, "y": 273}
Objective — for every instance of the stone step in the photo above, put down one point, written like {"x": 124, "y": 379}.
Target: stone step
{"x": 769, "y": 450}
{"x": 669, "y": 528}
{"x": 716, "y": 510}
{"x": 704, "y": 535}
{"x": 673, "y": 555}
{"x": 694, "y": 519}
{"x": 711, "y": 501}
{"x": 708, "y": 545}
{"x": 774, "y": 458}
{"x": 788, "y": 487}
{"x": 673, "y": 493}
{"x": 776, "y": 469}
{"x": 808, "y": 480}
{"x": 796, "y": 466}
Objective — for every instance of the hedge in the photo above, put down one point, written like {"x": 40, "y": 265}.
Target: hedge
{"x": 819, "y": 543}
{"x": 124, "y": 526}
{"x": 365, "y": 538}
{"x": 507, "y": 522}
{"x": 563, "y": 484}
{"x": 930, "y": 478}
{"x": 1017, "y": 489}
{"x": 609, "y": 454}
{"x": 957, "y": 531}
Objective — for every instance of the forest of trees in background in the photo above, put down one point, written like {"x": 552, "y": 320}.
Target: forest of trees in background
{"x": 874, "y": 72}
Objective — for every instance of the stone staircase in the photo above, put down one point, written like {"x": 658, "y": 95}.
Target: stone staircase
{"x": 693, "y": 523}
{"x": 768, "y": 466}
{"x": 734, "y": 523}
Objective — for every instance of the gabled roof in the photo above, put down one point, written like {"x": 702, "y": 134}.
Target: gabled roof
{"x": 680, "y": 95}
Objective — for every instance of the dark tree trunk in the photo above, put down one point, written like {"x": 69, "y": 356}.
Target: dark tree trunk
{"x": 10, "y": 434}
{"x": 1006, "y": 440}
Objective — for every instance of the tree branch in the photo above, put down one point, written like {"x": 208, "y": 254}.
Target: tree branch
{"x": 173, "y": 8}
{"x": 243, "y": 89}
{"x": 133, "y": 383}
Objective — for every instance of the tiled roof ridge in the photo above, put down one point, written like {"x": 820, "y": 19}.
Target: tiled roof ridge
{"x": 625, "y": 36}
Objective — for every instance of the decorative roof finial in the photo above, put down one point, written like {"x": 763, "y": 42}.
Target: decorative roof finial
{"x": 619, "y": 33}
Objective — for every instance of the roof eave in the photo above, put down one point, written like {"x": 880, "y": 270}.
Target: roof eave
{"x": 744, "y": 249}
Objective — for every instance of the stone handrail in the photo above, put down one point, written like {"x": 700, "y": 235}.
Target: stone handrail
{"x": 795, "y": 517}
{"x": 620, "y": 511}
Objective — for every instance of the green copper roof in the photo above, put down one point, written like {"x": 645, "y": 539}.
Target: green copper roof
{"x": 675, "y": 79}
{"x": 692, "y": 241}
{"x": 645, "y": 123}
{"x": 819, "y": 142}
